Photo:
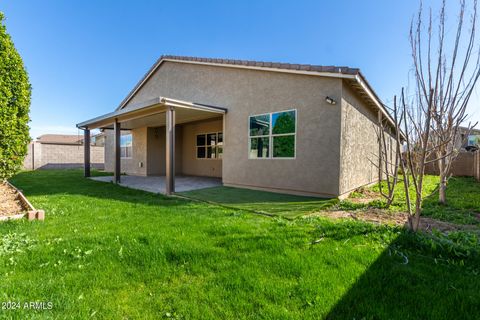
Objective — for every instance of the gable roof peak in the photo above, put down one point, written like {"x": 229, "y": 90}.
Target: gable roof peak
{"x": 259, "y": 65}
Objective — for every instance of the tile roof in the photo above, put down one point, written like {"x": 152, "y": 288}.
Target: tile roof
{"x": 242, "y": 63}
{"x": 60, "y": 139}
{"x": 264, "y": 64}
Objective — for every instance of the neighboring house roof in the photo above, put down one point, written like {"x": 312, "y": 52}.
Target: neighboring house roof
{"x": 60, "y": 139}
{"x": 463, "y": 130}
{"x": 352, "y": 75}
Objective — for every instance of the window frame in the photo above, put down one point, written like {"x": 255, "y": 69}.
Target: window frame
{"x": 216, "y": 146}
{"x": 271, "y": 135}
{"x": 131, "y": 147}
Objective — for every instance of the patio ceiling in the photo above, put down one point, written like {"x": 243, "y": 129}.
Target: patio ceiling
{"x": 152, "y": 113}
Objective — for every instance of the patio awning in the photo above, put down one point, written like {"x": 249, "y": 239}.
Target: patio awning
{"x": 151, "y": 113}
{"x": 156, "y": 112}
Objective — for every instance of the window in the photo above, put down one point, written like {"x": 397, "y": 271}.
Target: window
{"x": 473, "y": 140}
{"x": 126, "y": 146}
{"x": 272, "y": 135}
{"x": 210, "y": 145}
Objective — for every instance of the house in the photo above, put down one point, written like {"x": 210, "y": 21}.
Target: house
{"x": 289, "y": 128}
{"x": 468, "y": 139}
{"x": 58, "y": 151}
{"x": 467, "y": 142}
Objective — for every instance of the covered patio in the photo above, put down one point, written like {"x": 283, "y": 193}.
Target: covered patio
{"x": 156, "y": 184}
{"x": 154, "y": 113}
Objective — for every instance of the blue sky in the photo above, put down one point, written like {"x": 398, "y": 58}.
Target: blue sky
{"x": 83, "y": 57}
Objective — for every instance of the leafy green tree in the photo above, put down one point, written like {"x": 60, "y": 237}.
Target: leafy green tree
{"x": 284, "y": 146}
{"x": 15, "y": 93}
{"x": 284, "y": 123}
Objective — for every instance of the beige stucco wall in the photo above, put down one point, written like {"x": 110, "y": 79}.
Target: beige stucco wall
{"x": 316, "y": 168}
{"x": 186, "y": 162}
{"x": 156, "y": 142}
{"x": 137, "y": 164}
{"x": 359, "y": 142}
{"x": 59, "y": 156}
{"x": 192, "y": 165}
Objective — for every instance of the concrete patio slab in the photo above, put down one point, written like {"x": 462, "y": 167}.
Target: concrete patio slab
{"x": 156, "y": 184}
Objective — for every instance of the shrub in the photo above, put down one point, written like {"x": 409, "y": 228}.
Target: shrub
{"x": 15, "y": 93}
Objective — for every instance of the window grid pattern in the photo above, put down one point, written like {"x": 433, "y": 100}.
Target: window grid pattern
{"x": 275, "y": 140}
{"x": 209, "y": 145}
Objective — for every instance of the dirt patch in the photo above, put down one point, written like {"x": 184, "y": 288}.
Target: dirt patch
{"x": 361, "y": 200}
{"x": 364, "y": 196}
{"x": 380, "y": 216}
{"x": 429, "y": 224}
{"x": 369, "y": 215}
{"x": 9, "y": 202}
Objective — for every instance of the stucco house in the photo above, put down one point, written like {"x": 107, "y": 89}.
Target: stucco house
{"x": 290, "y": 128}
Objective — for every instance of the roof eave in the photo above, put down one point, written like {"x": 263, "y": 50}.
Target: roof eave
{"x": 146, "y": 105}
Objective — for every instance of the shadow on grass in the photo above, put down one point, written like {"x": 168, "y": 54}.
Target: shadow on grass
{"x": 72, "y": 182}
{"x": 410, "y": 280}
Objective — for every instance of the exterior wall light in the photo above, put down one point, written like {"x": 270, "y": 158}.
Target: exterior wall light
{"x": 330, "y": 100}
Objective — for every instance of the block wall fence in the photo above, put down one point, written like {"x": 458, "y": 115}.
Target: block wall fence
{"x": 61, "y": 156}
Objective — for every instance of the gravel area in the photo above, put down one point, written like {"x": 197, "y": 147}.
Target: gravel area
{"x": 9, "y": 203}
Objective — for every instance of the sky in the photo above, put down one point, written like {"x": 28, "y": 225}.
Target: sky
{"x": 83, "y": 57}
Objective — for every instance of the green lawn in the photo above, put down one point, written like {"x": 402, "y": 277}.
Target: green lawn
{"x": 284, "y": 205}
{"x": 463, "y": 200}
{"x": 107, "y": 252}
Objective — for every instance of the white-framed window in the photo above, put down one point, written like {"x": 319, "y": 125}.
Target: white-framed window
{"x": 272, "y": 135}
{"x": 209, "y": 145}
{"x": 126, "y": 142}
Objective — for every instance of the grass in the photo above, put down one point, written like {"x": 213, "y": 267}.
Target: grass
{"x": 463, "y": 200}
{"x": 107, "y": 252}
{"x": 287, "y": 206}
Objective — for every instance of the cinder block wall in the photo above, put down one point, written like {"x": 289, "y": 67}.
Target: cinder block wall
{"x": 61, "y": 156}
{"x": 476, "y": 165}
{"x": 463, "y": 165}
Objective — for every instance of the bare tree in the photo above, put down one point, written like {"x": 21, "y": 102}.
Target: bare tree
{"x": 388, "y": 158}
{"x": 445, "y": 76}
{"x": 400, "y": 139}
{"x": 415, "y": 120}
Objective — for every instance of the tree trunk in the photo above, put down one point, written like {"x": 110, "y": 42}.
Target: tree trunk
{"x": 414, "y": 220}
{"x": 406, "y": 185}
{"x": 442, "y": 187}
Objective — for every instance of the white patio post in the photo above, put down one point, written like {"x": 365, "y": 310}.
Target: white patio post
{"x": 86, "y": 152}
{"x": 116, "y": 172}
{"x": 170, "y": 152}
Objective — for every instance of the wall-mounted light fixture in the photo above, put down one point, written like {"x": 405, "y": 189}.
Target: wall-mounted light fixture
{"x": 330, "y": 100}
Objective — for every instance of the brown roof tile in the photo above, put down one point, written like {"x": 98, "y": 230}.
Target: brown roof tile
{"x": 265, "y": 64}
{"x": 60, "y": 139}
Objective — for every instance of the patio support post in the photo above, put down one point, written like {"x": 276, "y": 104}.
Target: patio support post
{"x": 86, "y": 152}
{"x": 170, "y": 152}
{"x": 116, "y": 129}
